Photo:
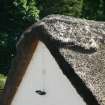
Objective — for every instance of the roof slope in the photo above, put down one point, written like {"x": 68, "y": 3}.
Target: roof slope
{"x": 78, "y": 46}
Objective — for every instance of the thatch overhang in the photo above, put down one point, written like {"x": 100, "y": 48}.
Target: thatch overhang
{"x": 78, "y": 45}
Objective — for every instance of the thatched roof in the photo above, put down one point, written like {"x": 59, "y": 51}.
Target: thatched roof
{"x": 78, "y": 45}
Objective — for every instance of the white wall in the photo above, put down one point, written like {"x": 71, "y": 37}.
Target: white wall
{"x": 43, "y": 70}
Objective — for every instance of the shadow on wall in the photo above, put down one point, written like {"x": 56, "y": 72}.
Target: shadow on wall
{"x": 68, "y": 71}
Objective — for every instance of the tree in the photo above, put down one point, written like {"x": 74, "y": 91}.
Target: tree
{"x": 94, "y": 9}
{"x": 65, "y": 7}
{"x": 15, "y": 16}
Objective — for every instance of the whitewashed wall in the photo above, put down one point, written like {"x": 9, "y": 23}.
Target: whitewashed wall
{"x": 43, "y": 71}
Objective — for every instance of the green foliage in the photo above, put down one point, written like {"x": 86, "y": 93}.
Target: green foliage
{"x": 89, "y": 9}
{"x": 94, "y": 9}
{"x": 2, "y": 81}
{"x": 26, "y": 10}
{"x": 3, "y": 39}
{"x": 65, "y": 7}
{"x": 15, "y": 17}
